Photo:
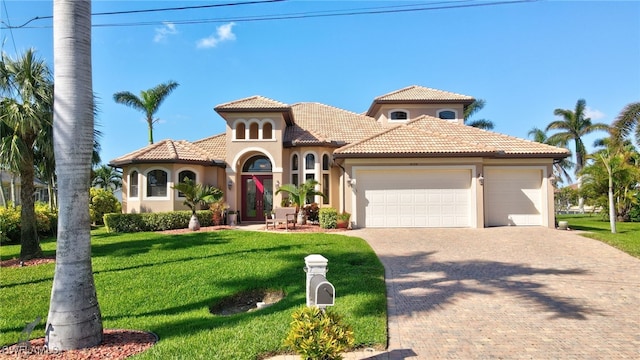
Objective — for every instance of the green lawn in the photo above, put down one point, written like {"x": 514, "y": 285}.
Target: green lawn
{"x": 627, "y": 237}
{"x": 166, "y": 283}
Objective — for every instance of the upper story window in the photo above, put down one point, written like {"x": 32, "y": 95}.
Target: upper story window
{"x": 257, "y": 163}
{"x": 399, "y": 115}
{"x": 267, "y": 131}
{"x": 133, "y": 184}
{"x": 186, "y": 174}
{"x": 240, "y": 130}
{"x": 253, "y": 131}
{"x": 157, "y": 183}
{"x": 295, "y": 179}
{"x": 447, "y": 114}
{"x": 325, "y": 178}
{"x": 310, "y": 162}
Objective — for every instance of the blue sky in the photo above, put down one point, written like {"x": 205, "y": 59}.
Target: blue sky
{"x": 525, "y": 59}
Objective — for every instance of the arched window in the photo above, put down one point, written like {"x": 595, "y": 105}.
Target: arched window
{"x": 186, "y": 174}
{"x": 133, "y": 184}
{"x": 240, "y": 130}
{"x": 253, "y": 131}
{"x": 325, "y": 178}
{"x": 399, "y": 115}
{"x": 157, "y": 183}
{"x": 295, "y": 180}
{"x": 258, "y": 163}
{"x": 267, "y": 131}
{"x": 309, "y": 162}
{"x": 447, "y": 114}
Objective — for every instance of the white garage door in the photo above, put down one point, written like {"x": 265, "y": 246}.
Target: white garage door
{"x": 414, "y": 198}
{"x": 513, "y": 196}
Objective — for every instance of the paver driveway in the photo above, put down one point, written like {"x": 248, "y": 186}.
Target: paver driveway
{"x": 507, "y": 293}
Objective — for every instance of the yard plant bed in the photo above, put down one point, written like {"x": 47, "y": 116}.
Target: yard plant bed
{"x": 166, "y": 284}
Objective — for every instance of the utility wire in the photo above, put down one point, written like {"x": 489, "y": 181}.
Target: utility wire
{"x": 318, "y": 14}
{"x": 13, "y": 40}
{"x": 8, "y": 26}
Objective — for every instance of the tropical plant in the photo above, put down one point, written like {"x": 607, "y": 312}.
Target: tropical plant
{"x": 74, "y": 320}
{"x": 561, "y": 167}
{"x": 25, "y": 110}
{"x": 102, "y": 201}
{"x": 319, "y": 334}
{"x": 299, "y": 196}
{"x": 195, "y": 195}
{"x": 625, "y": 122}
{"x": 573, "y": 126}
{"x": 106, "y": 177}
{"x": 471, "y": 110}
{"x": 149, "y": 101}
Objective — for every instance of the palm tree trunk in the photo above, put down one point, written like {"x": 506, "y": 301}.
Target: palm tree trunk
{"x": 74, "y": 315}
{"x": 29, "y": 242}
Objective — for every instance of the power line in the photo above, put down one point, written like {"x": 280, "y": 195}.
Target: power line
{"x": 8, "y": 26}
{"x": 13, "y": 40}
{"x": 318, "y": 14}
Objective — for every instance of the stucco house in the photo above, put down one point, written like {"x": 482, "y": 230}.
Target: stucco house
{"x": 408, "y": 161}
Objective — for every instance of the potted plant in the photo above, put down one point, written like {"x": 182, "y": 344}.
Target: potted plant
{"x": 196, "y": 194}
{"x": 217, "y": 211}
{"x": 297, "y": 195}
{"x": 232, "y": 217}
{"x": 343, "y": 220}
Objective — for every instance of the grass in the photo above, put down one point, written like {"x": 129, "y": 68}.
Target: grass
{"x": 627, "y": 237}
{"x": 166, "y": 284}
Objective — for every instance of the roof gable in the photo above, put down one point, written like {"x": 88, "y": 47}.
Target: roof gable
{"x": 170, "y": 151}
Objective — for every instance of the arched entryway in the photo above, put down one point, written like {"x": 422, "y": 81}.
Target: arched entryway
{"x": 257, "y": 188}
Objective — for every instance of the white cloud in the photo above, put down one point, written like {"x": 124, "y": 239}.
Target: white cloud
{"x": 594, "y": 114}
{"x": 223, "y": 33}
{"x": 163, "y": 32}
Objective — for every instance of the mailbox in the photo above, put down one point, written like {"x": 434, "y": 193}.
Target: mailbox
{"x": 321, "y": 292}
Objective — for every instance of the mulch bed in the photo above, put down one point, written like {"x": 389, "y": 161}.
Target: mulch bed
{"x": 116, "y": 344}
{"x": 32, "y": 262}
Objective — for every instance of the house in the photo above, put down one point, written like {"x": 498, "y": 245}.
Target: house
{"x": 408, "y": 161}
{"x": 10, "y": 185}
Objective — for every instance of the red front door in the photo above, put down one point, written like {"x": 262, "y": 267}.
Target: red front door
{"x": 257, "y": 197}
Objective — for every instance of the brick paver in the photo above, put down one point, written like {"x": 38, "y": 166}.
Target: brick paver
{"x": 507, "y": 293}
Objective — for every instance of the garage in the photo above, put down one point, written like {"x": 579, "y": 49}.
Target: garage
{"x": 424, "y": 197}
{"x": 513, "y": 196}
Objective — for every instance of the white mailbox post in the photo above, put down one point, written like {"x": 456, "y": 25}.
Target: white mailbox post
{"x": 320, "y": 292}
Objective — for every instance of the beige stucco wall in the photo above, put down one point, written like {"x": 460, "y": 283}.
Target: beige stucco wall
{"x": 208, "y": 175}
{"x": 417, "y": 110}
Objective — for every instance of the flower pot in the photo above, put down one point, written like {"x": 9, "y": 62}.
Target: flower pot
{"x": 232, "y": 219}
{"x": 342, "y": 224}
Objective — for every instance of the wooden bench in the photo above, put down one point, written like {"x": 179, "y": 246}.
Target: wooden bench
{"x": 284, "y": 215}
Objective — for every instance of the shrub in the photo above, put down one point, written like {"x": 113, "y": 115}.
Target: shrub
{"x": 102, "y": 201}
{"x": 318, "y": 335}
{"x": 312, "y": 212}
{"x": 46, "y": 222}
{"x": 122, "y": 223}
{"x": 328, "y": 218}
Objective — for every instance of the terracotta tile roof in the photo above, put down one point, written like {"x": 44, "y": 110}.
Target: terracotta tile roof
{"x": 215, "y": 146}
{"x": 169, "y": 151}
{"x": 322, "y": 124}
{"x": 432, "y": 136}
{"x": 422, "y": 93}
{"x": 252, "y": 103}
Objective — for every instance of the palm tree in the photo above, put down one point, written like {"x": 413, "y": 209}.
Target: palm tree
{"x": 471, "y": 110}
{"x": 25, "y": 110}
{"x": 197, "y": 194}
{"x": 74, "y": 319}
{"x": 107, "y": 178}
{"x": 574, "y": 125}
{"x": 625, "y": 122}
{"x": 561, "y": 167}
{"x": 148, "y": 102}
{"x": 299, "y": 196}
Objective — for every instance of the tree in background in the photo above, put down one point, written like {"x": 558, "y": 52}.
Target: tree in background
{"x": 26, "y": 111}
{"x": 471, "y": 110}
{"x": 560, "y": 168}
{"x": 149, "y": 101}
{"x": 573, "y": 126}
{"x": 74, "y": 319}
{"x": 626, "y": 121}
{"x": 106, "y": 177}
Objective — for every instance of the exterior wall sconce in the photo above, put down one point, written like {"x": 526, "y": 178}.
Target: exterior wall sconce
{"x": 481, "y": 179}
{"x": 229, "y": 184}
{"x": 277, "y": 184}
{"x": 352, "y": 182}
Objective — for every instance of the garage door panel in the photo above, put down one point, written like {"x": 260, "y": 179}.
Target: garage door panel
{"x": 414, "y": 198}
{"x": 513, "y": 196}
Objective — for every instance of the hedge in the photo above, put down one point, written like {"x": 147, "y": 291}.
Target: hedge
{"x": 328, "y": 218}
{"x": 123, "y": 223}
{"x": 46, "y": 221}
